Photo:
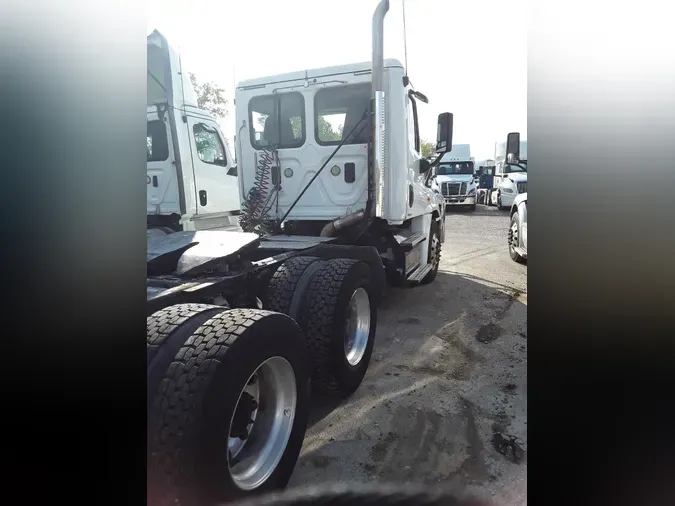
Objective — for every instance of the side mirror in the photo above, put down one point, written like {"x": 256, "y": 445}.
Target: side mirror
{"x": 425, "y": 165}
{"x": 444, "y": 133}
{"x": 513, "y": 147}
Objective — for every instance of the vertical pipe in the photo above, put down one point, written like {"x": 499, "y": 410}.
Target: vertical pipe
{"x": 378, "y": 45}
{"x": 378, "y": 99}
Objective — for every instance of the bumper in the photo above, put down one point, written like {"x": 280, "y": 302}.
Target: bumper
{"x": 508, "y": 198}
{"x": 460, "y": 200}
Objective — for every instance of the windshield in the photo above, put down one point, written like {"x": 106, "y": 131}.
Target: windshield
{"x": 508, "y": 169}
{"x": 449, "y": 169}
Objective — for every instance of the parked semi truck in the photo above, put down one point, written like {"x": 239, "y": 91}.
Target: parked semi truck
{"x": 242, "y": 324}
{"x": 517, "y": 236}
{"x": 455, "y": 177}
{"x": 191, "y": 175}
{"x": 510, "y": 178}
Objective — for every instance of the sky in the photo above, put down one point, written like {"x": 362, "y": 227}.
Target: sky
{"x": 468, "y": 57}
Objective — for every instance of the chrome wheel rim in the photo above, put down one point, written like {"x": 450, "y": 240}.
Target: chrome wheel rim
{"x": 434, "y": 251}
{"x": 268, "y": 402}
{"x": 357, "y": 327}
{"x": 513, "y": 235}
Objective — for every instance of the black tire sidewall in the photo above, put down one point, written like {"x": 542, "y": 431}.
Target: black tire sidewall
{"x": 259, "y": 343}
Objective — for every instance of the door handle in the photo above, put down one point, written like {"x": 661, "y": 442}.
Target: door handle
{"x": 155, "y": 181}
{"x": 202, "y": 197}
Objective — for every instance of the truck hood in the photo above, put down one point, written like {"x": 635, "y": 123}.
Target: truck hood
{"x": 518, "y": 177}
{"x": 455, "y": 178}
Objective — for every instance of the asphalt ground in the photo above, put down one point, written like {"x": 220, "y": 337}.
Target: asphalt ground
{"x": 445, "y": 397}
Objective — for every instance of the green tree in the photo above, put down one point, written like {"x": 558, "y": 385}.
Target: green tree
{"x": 428, "y": 149}
{"x": 326, "y": 132}
{"x": 210, "y": 97}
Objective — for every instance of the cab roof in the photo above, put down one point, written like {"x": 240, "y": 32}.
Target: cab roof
{"x": 365, "y": 67}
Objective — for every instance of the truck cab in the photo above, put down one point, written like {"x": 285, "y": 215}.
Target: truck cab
{"x": 455, "y": 175}
{"x": 305, "y": 142}
{"x": 510, "y": 178}
{"x": 191, "y": 174}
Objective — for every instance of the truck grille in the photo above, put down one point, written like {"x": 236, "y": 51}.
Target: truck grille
{"x": 452, "y": 189}
{"x": 522, "y": 187}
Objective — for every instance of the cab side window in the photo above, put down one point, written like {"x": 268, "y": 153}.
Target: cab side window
{"x": 210, "y": 148}
{"x": 413, "y": 128}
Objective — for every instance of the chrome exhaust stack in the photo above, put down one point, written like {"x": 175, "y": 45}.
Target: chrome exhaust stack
{"x": 379, "y": 152}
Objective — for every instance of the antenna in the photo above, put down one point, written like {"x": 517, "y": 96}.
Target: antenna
{"x": 405, "y": 41}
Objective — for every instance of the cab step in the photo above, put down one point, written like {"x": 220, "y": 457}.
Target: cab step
{"x": 412, "y": 240}
{"x": 420, "y": 273}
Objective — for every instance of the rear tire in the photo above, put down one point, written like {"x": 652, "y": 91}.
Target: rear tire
{"x": 190, "y": 460}
{"x": 434, "y": 253}
{"x": 289, "y": 283}
{"x": 340, "y": 304}
{"x": 167, "y": 331}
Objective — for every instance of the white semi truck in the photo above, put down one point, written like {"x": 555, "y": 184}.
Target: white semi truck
{"x": 336, "y": 198}
{"x": 191, "y": 175}
{"x": 455, "y": 177}
{"x": 510, "y": 179}
{"x": 517, "y": 236}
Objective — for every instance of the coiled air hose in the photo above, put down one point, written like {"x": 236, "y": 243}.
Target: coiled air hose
{"x": 261, "y": 197}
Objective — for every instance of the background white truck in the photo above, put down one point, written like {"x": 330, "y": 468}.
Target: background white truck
{"x": 455, "y": 177}
{"x": 241, "y": 323}
{"x": 517, "y": 236}
{"x": 191, "y": 175}
{"x": 510, "y": 179}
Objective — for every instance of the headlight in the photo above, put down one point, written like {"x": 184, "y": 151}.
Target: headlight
{"x": 507, "y": 190}
{"x": 472, "y": 191}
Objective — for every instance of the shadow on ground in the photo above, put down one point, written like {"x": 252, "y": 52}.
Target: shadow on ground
{"x": 444, "y": 399}
{"x": 480, "y": 211}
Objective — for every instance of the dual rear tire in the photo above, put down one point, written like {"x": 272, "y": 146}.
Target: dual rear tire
{"x": 227, "y": 413}
{"x": 334, "y": 303}
{"x": 229, "y": 389}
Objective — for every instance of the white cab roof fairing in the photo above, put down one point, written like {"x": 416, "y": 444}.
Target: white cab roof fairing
{"x": 316, "y": 73}
{"x": 459, "y": 152}
{"x": 168, "y": 81}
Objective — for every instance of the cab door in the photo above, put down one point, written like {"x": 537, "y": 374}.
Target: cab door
{"x": 215, "y": 177}
{"x": 163, "y": 194}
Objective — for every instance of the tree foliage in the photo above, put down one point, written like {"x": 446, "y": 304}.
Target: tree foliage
{"x": 210, "y": 97}
{"x": 326, "y": 131}
{"x": 428, "y": 149}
